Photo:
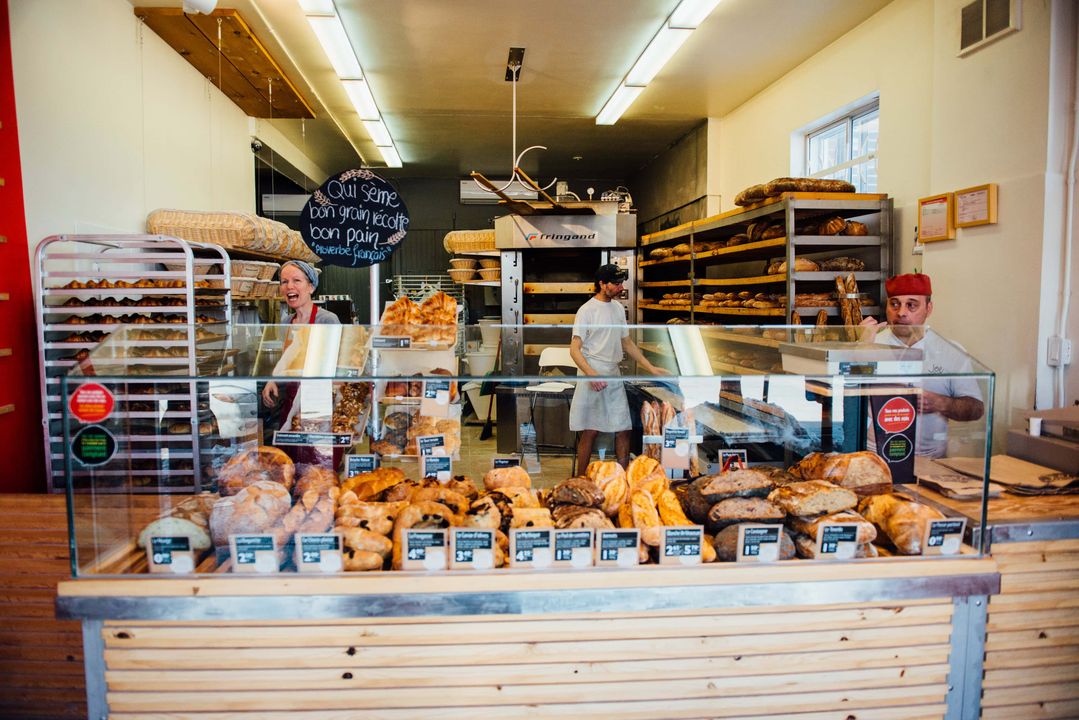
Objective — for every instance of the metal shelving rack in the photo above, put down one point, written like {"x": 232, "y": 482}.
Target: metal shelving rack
{"x": 61, "y": 259}
{"x": 790, "y": 209}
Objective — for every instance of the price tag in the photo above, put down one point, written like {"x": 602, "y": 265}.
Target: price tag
{"x": 944, "y": 537}
{"x": 319, "y": 552}
{"x": 505, "y": 462}
{"x": 618, "y": 547}
{"x": 837, "y": 541}
{"x": 437, "y": 467}
{"x": 531, "y": 547}
{"x": 573, "y": 547}
{"x": 759, "y": 543}
{"x": 356, "y": 464}
{"x": 435, "y": 401}
{"x": 391, "y": 342}
{"x": 312, "y": 438}
{"x": 733, "y": 458}
{"x": 170, "y": 555}
{"x": 424, "y": 550}
{"x": 681, "y": 545}
{"x": 675, "y": 453}
{"x": 431, "y": 444}
{"x": 253, "y": 554}
{"x": 472, "y": 549}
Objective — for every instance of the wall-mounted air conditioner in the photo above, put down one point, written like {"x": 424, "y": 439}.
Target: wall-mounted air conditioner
{"x": 473, "y": 194}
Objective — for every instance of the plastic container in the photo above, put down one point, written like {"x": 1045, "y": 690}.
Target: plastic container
{"x": 489, "y": 333}
{"x": 481, "y": 362}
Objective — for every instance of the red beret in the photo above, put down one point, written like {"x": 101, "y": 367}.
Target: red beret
{"x": 909, "y": 284}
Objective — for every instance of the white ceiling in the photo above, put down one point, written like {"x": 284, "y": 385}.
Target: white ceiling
{"x": 437, "y": 69}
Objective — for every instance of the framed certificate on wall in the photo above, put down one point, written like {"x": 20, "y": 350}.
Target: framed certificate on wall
{"x": 935, "y": 218}
{"x": 976, "y": 205}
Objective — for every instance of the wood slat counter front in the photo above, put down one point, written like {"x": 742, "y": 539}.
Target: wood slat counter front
{"x": 870, "y": 639}
{"x": 1032, "y": 638}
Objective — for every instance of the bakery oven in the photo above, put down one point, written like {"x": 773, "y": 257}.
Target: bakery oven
{"x": 548, "y": 265}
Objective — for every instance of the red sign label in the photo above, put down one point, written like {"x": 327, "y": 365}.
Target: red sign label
{"x": 91, "y": 403}
{"x": 896, "y": 415}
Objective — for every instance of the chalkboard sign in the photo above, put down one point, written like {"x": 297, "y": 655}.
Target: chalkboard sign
{"x": 354, "y": 219}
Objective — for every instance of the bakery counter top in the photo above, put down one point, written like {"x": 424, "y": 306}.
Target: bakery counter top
{"x": 512, "y": 592}
{"x": 1014, "y": 517}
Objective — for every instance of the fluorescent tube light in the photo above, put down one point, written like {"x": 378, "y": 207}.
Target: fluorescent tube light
{"x": 319, "y": 7}
{"x": 662, "y": 48}
{"x": 619, "y": 102}
{"x": 378, "y": 132}
{"x": 390, "y": 156}
{"x": 362, "y": 99}
{"x": 691, "y": 13}
{"x": 331, "y": 34}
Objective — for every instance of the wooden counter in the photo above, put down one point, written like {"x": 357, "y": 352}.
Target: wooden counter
{"x": 870, "y": 639}
{"x": 1032, "y": 638}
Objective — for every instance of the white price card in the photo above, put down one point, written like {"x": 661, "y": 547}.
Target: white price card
{"x": 424, "y": 549}
{"x": 837, "y": 541}
{"x": 170, "y": 555}
{"x": 531, "y": 547}
{"x": 619, "y": 547}
{"x": 676, "y": 448}
{"x": 435, "y": 400}
{"x": 573, "y": 547}
{"x": 681, "y": 545}
{"x": 253, "y": 553}
{"x": 437, "y": 467}
{"x": 318, "y": 553}
{"x": 472, "y": 548}
{"x": 944, "y": 537}
{"x": 759, "y": 543}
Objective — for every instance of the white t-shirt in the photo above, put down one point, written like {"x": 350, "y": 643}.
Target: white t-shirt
{"x": 601, "y": 327}
{"x": 939, "y": 357}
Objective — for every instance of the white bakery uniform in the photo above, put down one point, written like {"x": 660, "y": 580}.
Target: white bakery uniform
{"x": 939, "y": 357}
{"x": 601, "y": 327}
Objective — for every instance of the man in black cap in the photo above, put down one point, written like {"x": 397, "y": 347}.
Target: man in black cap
{"x": 600, "y": 339}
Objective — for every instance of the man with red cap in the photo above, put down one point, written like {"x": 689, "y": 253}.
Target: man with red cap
{"x": 910, "y": 303}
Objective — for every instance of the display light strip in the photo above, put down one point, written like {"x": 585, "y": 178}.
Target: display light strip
{"x": 674, "y": 32}
{"x": 328, "y": 28}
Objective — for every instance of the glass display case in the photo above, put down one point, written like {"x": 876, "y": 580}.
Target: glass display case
{"x": 339, "y": 449}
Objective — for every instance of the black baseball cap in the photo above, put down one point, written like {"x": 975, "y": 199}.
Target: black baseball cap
{"x": 611, "y": 273}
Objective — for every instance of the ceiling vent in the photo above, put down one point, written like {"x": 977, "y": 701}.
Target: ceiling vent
{"x": 473, "y": 194}
{"x": 985, "y": 21}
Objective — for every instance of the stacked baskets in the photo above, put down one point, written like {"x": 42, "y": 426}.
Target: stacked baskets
{"x": 233, "y": 231}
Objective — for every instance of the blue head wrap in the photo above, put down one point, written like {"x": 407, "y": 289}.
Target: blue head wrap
{"x": 305, "y": 268}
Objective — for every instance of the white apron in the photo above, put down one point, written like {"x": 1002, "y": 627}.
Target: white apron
{"x": 606, "y": 410}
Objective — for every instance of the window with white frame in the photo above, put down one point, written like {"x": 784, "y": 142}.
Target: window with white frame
{"x": 846, "y": 149}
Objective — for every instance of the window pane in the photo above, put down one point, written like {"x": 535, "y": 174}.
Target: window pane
{"x": 864, "y": 140}
{"x": 864, "y": 176}
{"x": 827, "y": 149}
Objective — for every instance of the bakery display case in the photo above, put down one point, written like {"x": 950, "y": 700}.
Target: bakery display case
{"x": 827, "y": 435}
{"x": 739, "y": 535}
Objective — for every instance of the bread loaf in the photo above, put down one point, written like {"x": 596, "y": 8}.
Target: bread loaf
{"x": 736, "y": 510}
{"x": 813, "y": 497}
{"x": 575, "y": 516}
{"x": 807, "y": 548}
{"x": 515, "y": 476}
{"x": 577, "y": 491}
{"x": 742, "y": 482}
{"x": 810, "y": 525}
{"x": 255, "y": 509}
{"x": 611, "y": 479}
{"x": 264, "y": 462}
{"x": 832, "y": 226}
{"x": 855, "y": 228}
{"x": 903, "y": 523}
{"x": 726, "y": 545}
{"x": 863, "y": 472}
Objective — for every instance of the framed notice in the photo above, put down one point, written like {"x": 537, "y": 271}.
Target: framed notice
{"x": 976, "y": 205}
{"x": 935, "y": 218}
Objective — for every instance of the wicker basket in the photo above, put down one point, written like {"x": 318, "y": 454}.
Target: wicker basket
{"x": 245, "y": 269}
{"x": 462, "y": 241}
{"x": 232, "y": 230}
{"x": 267, "y": 270}
{"x": 243, "y": 286}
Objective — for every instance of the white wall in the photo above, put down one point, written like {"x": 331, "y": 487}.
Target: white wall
{"x": 945, "y": 123}
{"x": 113, "y": 123}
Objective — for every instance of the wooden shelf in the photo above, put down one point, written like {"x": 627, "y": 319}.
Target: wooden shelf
{"x": 740, "y": 338}
{"x": 665, "y": 261}
{"x": 559, "y": 288}
{"x": 672, "y": 308}
{"x": 752, "y": 249}
{"x": 737, "y": 369}
{"x": 666, "y": 283}
{"x": 736, "y": 282}
{"x": 769, "y": 312}
{"x": 482, "y": 283}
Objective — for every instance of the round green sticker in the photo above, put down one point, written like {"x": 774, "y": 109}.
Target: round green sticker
{"x": 93, "y": 445}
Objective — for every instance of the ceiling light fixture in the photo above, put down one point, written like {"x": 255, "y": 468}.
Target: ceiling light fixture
{"x": 661, "y": 48}
{"x": 330, "y": 31}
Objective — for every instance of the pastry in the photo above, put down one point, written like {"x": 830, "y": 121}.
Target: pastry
{"x": 313, "y": 477}
{"x": 371, "y": 485}
{"x": 812, "y": 497}
{"x": 450, "y": 498}
{"x": 375, "y": 516}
